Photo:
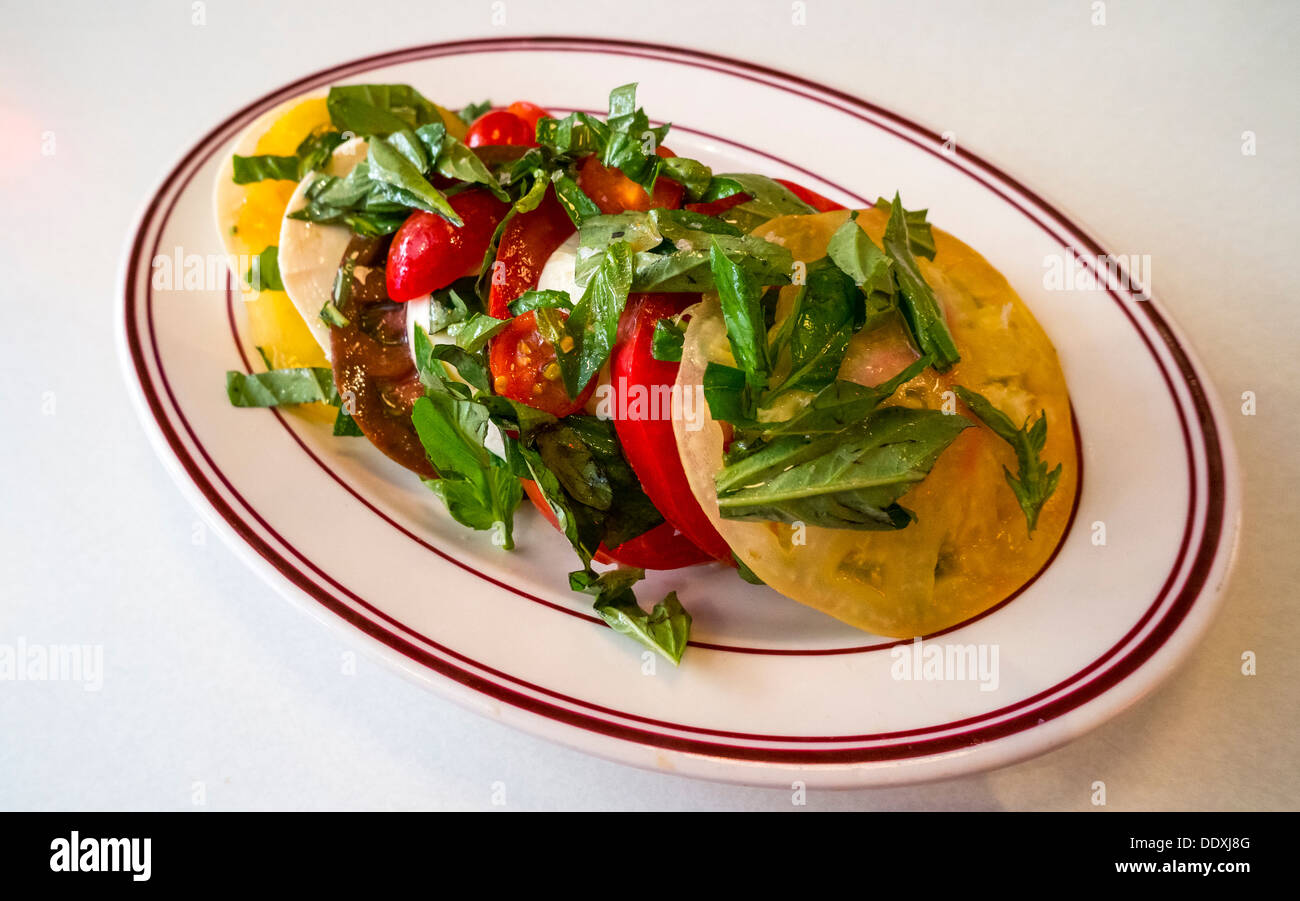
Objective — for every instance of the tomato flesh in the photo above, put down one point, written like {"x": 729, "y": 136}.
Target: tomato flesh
{"x": 523, "y": 363}
{"x": 614, "y": 192}
{"x": 500, "y": 127}
{"x": 429, "y": 253}
{"x": 646, "y": 433}
{"x": 529, "y": 112}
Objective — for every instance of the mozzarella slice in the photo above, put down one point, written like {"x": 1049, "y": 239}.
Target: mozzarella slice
{"x": 310, "y": 252}
{"x": 558, "y": 273}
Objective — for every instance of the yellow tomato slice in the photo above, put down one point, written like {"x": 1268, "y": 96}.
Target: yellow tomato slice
{"x": 969, "y": 547}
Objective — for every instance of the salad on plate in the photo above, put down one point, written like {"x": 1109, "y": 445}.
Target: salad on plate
{"x": 676, "y": 367}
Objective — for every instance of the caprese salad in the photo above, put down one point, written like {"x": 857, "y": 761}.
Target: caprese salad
{"x": 675, "y": 366}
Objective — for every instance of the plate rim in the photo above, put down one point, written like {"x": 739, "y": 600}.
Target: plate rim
{"x": 710, "y": 759}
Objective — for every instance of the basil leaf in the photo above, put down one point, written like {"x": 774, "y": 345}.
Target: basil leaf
{"x": 264, "y": 273}
{"x": 536, "y": 193}
{"x": 469, "y": 365}
{"x": 767, "y": 199}
{"x": 452, "y": 304}
{"x": 574, "y": 464}
{"x": 665, "y": 630}
{"x": 483, "y": 284}
{"x": 919, "y": 234}
{"x": 745, "y": 572}
{"x": 847, "y": 480}
{"x": 577, "y": 134}
{"x": 378, "y": 109}
{"x": 593, "y": 324}
{"x": 479, "y": 489}
{"x": 427, "y": 365}
{"x": 390, "y": 162}
{"x": 816, "y": 335}
{"x": 666, "y": 343}
{"x": 472, "y": 111}
{"x": 574, "y": 520}
{"x": 539, "y": 300}
{"x": 345, "y": 426}
{"x": 693, "y": 175}
{"x": 1035, "y": 484}
{"x": 727, "y": 392}
{"x": 298, "y": 385}
{"x": 858, "y": 257}
{"x": 577, "y": 204}
{"x": 313, "y": 153}
{"x": 842, "y": 404}
{"x": 743, "y": 313}
{"x": 473, "y": 334}
{"x": 457, "y": 161}
{"x": 249, "y": 169}
{"x": 578, "y": 465}
{"x": 919, "y": 306}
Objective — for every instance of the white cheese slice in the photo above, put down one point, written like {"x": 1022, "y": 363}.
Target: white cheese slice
{"x": 310, "y": 252}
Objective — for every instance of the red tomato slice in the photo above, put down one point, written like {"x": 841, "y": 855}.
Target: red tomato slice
{"x": 663, "y": 547}
{"x": 647, "y": 438}
{"x": 429, "y": 253}
{"x": 500, "y": 127}
{"x": 812, "y": 198}
{"x": 522, "y": 361}
{"x": 614, "y": 192}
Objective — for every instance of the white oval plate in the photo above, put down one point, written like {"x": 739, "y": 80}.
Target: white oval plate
{"x": 770, "y": 692}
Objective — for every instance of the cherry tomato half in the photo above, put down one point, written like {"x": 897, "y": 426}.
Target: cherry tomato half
{"x": 429, "y": 253}
{"x": 646, "y": 433}
{"x": 529, "y": 112}
{"x": 500, "y": 127}
{"x": 522, "y": 361}
{"x": 614, "y": 192}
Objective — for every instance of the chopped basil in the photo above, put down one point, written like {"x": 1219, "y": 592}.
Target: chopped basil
{"x": 666, "y": 343}
{"x": 472, "y": 111}
{"x": 345, "y": 426}
{"x": 312, "y": 154}
{"x": 479, "y": 488}
{"x": 264, "y": 273}
{"x": 298, "y": 385}
{"x": 592, "y": 326}
{"x": 918, "y": 304}
{"x": 846, "y": 480}
{"x": 539, "y": 300}
{"x": 665, "y": 630}
{"x": 474, "y": 333}
{"x": 379, "y": 109}
{"x": 1034, "y": 484}
{"x": 739, "y": 295}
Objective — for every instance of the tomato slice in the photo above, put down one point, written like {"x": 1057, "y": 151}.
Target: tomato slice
{"x": 646, "y": 432}
{"x": 614, "y": 192}
{"x": 663, "y": 547}
{"x": 522, "y": 361}
{"x": 429, "y": 253}
{"x": 812, "y": 198}
{"x": 500, "y": 127}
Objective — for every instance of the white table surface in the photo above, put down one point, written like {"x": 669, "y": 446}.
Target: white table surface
{"x": 1135, "y": 126}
